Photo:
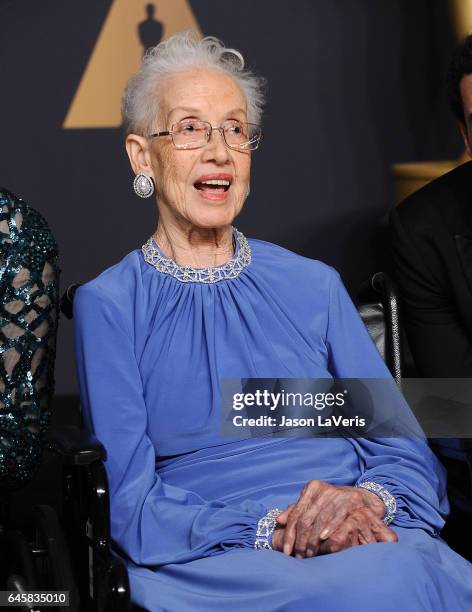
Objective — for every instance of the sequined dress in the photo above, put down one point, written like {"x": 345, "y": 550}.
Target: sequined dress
{"x": 153, "y": 342}
{"x": 29, "y": 289}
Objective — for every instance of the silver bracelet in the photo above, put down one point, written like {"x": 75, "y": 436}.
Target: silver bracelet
{"x": 265, "y": 529}
{"x": 385, "y": 496}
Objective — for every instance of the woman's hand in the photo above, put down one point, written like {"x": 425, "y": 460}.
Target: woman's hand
{"x": 320, "y": 511}
{"x": 362, "y": 526}
{"x": 278, "y": 538}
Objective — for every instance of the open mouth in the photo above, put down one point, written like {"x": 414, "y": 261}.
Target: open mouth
{"x": 213, "y": 185}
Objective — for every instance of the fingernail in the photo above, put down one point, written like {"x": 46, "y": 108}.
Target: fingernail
{"x": 324, "y": 534}
{"x": 287, "y": 549}
{"x": 298, "y": 556}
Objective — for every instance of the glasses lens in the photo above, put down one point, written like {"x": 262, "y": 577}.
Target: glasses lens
{"x": 190, "y": 133}
{"x": 242, "y": 135}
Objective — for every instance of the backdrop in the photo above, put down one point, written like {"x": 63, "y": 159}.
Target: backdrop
{"x": 353, "y": 86}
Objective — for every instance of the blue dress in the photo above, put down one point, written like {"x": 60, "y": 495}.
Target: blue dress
{"x": 153, "y": 340}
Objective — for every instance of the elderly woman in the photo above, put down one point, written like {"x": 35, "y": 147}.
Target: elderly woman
{"x": 193, "y": 513}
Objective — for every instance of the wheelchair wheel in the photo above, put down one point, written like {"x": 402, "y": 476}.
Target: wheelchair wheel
{"x": 20, "y": 563}
{"x": 54, "y": 567}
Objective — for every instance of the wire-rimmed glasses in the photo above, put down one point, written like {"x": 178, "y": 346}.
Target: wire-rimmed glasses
{"x": 193, "y": 134}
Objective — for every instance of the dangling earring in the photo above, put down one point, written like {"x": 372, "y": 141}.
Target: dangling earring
{"x": 248, "y": 190}
{"x": 143, "y": 185}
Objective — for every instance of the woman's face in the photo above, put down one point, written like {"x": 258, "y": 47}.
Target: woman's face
{"x": 207, "y": 95}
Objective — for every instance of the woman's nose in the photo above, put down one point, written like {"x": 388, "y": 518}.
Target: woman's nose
{"x": 216, "y": 146}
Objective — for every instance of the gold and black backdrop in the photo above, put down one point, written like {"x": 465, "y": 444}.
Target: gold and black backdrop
{"x": 353, "y": 86}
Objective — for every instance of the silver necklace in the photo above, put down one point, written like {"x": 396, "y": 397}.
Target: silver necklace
{"x": 187, "y": 274}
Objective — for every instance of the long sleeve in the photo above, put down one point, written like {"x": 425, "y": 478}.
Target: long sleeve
{"x": 29, "y": 289}
{"x": 405, "y": 466}
{"x": 440, "y": 344}
{"x": 153, "y": 522}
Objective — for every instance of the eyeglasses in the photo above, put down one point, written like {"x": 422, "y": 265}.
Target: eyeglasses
{"x": 193, "y": 134}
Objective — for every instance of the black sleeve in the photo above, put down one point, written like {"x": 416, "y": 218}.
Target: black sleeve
{"x": 439, "y": 343}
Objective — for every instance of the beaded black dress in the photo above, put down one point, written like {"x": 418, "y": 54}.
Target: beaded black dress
{"x": 29, "y": 288}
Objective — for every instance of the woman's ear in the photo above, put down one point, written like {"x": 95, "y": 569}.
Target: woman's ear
{"x": 139, "y": 155}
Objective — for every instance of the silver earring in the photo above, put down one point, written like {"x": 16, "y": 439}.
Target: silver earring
{"x": 143, "y": 185}
{"x": 248, "y": 191}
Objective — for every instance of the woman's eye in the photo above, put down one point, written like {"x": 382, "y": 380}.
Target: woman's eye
{"x": 236, "y": 130}
{"x": 188, "y": 128}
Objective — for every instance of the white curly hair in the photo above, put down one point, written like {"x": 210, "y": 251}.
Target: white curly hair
{"x": 140, "y": 102}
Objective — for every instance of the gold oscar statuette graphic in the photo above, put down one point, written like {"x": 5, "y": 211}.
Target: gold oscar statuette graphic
{"x": 411, "y": 176}
{"x": 131, "y": 26}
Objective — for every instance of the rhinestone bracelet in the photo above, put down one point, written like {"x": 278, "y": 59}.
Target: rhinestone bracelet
{"x": 265, "y": 529}
{"x": 385, "y": 496}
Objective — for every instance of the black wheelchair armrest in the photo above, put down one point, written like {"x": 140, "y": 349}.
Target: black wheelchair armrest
{"x": 76, "y": 446}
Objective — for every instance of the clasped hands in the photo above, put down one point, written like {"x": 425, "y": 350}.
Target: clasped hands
{"x": 328, "y": 518}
